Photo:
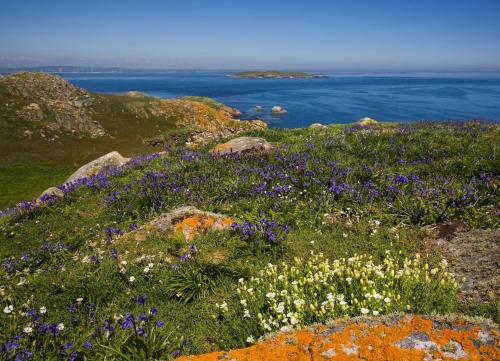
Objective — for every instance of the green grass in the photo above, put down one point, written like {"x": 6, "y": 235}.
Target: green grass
{"x": 25, "y": 181}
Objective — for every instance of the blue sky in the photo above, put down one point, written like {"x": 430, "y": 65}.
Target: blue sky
{"x": 211, "y": 34}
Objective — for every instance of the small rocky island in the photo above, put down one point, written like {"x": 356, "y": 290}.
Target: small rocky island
{"x": 274, "y": 74}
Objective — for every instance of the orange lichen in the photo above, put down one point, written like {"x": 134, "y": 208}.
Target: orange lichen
{"x": 193, "y": 225}
{"x": 368, "y": 340}
{"x": 221, "y": 147}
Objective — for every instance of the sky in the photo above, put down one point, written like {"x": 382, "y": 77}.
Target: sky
{"x": 350, "y": 35}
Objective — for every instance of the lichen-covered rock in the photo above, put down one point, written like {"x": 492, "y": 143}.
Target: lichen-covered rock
{"x": 318, "y": 126}
{"x": 186, "y": 221}
{"x": 107, "y": 161}
{"x": 243, "y": 145}
{"x": 408, "y": 338}
{"x": 367, "y": 121}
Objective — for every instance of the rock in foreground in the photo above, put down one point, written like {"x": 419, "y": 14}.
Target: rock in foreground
{"x": 243, "y": 145}
{"x": 386, "y": 338}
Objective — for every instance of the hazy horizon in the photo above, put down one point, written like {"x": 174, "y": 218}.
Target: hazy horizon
{"x": 341, "y": 35}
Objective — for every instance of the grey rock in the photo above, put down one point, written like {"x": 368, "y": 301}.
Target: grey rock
{"x": 53, "y": 191}
{"x": 243, "y": 145}
{"x": 107, "y": 161}
{"x": 417, "y": 341}
{"x": 330, "y": 353}
{"x": 454, "y": 351}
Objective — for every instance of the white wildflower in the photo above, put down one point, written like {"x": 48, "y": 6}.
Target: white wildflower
{"x": 270, "y": 295}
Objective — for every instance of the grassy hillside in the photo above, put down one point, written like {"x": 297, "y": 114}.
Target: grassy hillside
{"x": 358, "y": 195}
{"x": 67, "y": 127}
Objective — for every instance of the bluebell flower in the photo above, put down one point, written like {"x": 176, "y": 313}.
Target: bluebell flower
{"x": 23, "y": 355}
{"x": 128, "y": 322}
{"x": 10, "y": 345}
{"x": 141, "y": 300}
{"x": 108, "y": 326}
{"x": 66, "y": 347}
{"x": 142, "y": 317}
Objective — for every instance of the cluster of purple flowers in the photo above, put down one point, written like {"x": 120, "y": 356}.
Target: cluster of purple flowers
{"x": 35, "y": 257}
{"x": 267, "y": 231}
{"x": 185, "y": 256}
{"x": 11, "y": 350}
{"x": 110, "y": 231}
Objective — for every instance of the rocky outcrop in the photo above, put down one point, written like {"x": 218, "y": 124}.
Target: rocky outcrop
{"x": 243, "y": 145}
{"x": 46, "y": 96}
{"x": 367, "y": 121}
{"x": 31, "y": 113}
{"x": 107, "y": 161}
{"x": 186, "y": 221}
{"x": 205, "y": 118}
{"x": 393, "y": 338}
{"x": 473, "y": 255}
{"x": 278, "y": 110}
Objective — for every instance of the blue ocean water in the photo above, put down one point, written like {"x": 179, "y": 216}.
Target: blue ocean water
{"x": 340, "y": 98}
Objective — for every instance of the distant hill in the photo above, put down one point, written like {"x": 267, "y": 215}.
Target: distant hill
{"x": 276, "y": 75}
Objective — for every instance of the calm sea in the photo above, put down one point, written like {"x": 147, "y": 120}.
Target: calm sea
{"x": 341, "y": 98}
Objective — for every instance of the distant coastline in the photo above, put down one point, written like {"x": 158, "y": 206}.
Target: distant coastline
{"x": 275, "y": 74}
